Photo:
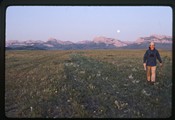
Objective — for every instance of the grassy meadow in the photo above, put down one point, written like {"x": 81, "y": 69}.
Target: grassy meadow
{"x": 85, "y": 84}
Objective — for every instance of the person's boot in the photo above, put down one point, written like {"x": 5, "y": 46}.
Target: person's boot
{"x": 148, "y": 81}
{"x": 152, "y": 82}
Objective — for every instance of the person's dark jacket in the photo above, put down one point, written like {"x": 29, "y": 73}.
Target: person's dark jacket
{"x": 150, "y": 57}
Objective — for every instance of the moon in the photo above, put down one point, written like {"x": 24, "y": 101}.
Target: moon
{"x": 118, "y": 31}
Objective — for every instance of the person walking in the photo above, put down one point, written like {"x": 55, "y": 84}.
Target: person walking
{"x": 149, "y": 62}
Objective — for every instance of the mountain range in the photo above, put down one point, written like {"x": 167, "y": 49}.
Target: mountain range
{"x": 100, "y": 42}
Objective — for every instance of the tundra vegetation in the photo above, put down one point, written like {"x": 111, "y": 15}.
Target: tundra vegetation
{"x": 85, "y": 84}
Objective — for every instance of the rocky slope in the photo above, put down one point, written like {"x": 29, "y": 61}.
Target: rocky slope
{"x": 100, "y": 42}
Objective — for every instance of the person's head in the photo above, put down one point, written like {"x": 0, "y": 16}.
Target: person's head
{"x": 152, "y": 45}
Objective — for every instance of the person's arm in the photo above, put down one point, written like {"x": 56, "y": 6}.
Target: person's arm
{"x": 145, "y": 59}
{"x": 159, "y": 58}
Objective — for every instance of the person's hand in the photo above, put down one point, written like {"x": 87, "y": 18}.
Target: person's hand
{"x": 144, "y": 65}
{"x": 161, "y": 64}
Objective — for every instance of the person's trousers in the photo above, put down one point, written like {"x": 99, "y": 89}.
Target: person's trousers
{"x": 151, "y": 73}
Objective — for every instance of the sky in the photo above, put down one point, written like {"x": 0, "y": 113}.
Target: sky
{"x": 77, "y": 23}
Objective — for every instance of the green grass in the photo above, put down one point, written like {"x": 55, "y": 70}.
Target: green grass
{"x": 86, "y": 83}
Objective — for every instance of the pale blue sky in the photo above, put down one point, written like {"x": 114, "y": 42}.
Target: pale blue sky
{"x": 76, "y": 23}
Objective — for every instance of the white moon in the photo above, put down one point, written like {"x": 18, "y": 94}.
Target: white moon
{"x": 118, "y": 31}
